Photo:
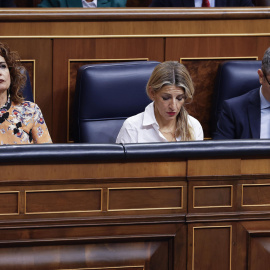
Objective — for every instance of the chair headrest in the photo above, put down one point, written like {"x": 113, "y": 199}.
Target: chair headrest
{"x": 109, "y": 92}
{"x": 27, "y": 89}
{"x": 113, "y": 90}
{"x": 234, "y": 78}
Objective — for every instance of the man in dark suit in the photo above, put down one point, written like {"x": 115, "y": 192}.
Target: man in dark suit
{"x": 78, "y": 3}
{"x": 191, "y": 3}
{"x": 248, "y": 116}
{"x": 7, "y": 3}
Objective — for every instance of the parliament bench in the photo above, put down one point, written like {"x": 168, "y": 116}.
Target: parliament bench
{"x": 188, "y": 205}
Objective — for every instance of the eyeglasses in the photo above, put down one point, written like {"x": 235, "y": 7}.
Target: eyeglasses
{"x": 266, "y": 78}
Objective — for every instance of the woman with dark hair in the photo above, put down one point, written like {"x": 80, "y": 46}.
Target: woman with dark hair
{"x": 165, "y": 119}
{"x": 21, "y": 122}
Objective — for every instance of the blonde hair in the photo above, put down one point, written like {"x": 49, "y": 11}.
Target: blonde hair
{"x": 174, "y": 73}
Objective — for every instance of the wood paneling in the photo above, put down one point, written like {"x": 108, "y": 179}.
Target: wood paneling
{"x": 61, "y": 201}
{"x": 120, "y": 256}
{"x": 255, "y": 238}
{"x": 161, "y": 221}
{"x": 214, "y": 167}
{"x": 202, "y": 55}
{"x": 150, "y": 21}
{"x": 13, "y": 203}
{"x": 253, "y": 166}
{"x": 217, "y": 195}
{"x": 211, "y": 247}
{"x": 57, "y": 39}
{"x": 203, "y": 71}
{"x": 216, "y": 46}
{"x": 93, "y": 50}
{"x": 212, "y": 196}
{"x": 145, "y": 198}
{"x": 141, "y": 28}
{"x": 149, "y": 215}
{"x": 256, "y": 195}
{"x": 93, "y": 171}
{"x": 36, "y": 55}
{"x": 259, "y": 253}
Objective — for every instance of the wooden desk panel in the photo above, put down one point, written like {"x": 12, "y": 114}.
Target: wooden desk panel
{"x": 55, "y": 38}
{"x": 70, "y": 54}
{"x": 94, "y": 216}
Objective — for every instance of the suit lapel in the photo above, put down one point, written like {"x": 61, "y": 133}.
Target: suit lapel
{"x": 74, "y": 3}
{"x": 188, "y": 3}
{"x": 221, "y": 3}
{"x": 103, "y": 3}
{"x": 254, "y": 114}
{"x": 100, "y": 3}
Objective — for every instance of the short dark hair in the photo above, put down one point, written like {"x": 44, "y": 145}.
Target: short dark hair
{"x": 266, "y": 62}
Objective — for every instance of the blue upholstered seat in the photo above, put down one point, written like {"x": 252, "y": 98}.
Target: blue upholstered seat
{"x": 106, "y": 94}
{"x": 27, "y": 89}
{"x": 234, "y": 78}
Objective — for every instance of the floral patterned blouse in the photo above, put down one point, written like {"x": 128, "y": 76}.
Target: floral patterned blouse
{"x": 22, "y": 124}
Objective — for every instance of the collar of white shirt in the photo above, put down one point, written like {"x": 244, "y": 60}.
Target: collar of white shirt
{"x": 92, "y": 4}
{"x": 149, "y": 116}
{"x": 198, "y": 3}
{"x": 264, "y": 102}
{"x": 150, "y": 119}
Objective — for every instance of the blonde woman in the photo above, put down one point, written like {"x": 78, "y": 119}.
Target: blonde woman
{"x": 165, "y": 119}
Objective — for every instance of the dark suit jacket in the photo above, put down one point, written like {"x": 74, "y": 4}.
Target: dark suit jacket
{"x": 7, "y": 3}
{"x": 78, "y": 3}
{"x": 190, "y": 3}
{"x": 240, "y": 117}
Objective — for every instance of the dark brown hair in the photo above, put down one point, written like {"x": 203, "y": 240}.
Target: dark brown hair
{"x": 17, "y": 77}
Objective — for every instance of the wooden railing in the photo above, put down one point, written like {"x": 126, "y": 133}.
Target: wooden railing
{"x": 200, "y": 205}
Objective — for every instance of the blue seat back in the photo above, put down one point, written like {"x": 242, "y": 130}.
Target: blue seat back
{"x": 27, "y": 89}
{"x": 234, "y": 78}
{"x": 106, "y": 94}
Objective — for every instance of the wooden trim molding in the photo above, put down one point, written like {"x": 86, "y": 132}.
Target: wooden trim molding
{"x": 132, "y": 14}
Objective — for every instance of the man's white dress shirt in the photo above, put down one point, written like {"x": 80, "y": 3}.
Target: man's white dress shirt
{"x": 143, "y": 128}
{"x": 198, "y": 3}
{"x": 92, "y": 4}
{"x": 265, "y": 117}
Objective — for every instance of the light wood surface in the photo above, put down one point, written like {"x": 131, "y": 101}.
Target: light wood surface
{"x": 214, "y": 167}
{"x": 93, "y": 171}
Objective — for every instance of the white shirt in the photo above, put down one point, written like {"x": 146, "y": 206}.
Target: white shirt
{"x": 198, "y": 3}
{"x": 92, "y": 4}
{"x": 265, "y": 117}
{"x": 143, "y": 128}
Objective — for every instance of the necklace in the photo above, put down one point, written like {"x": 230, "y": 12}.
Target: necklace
{"x": 168, "y": 132}
{"x": 172, "y": 133}
{"x": 4, "y": 110}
